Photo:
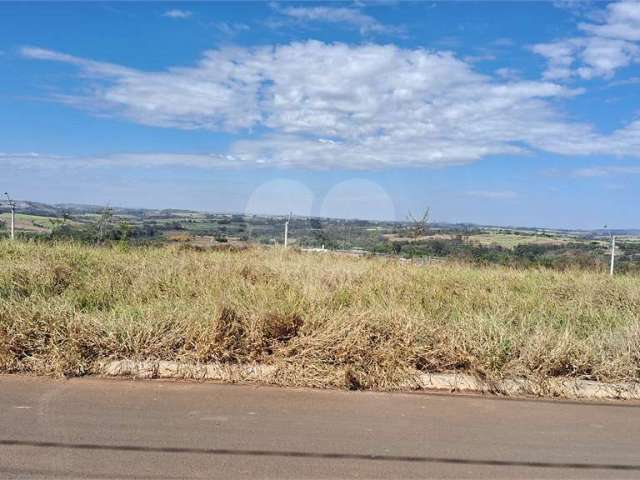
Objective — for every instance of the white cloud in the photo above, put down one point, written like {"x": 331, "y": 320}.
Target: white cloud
{"x": 560, "y": 55}
{"x": 89, "y": 67}
{"x": 622, "y": 22}
{"x": 626, "y": 81}
{"x": 481, "y": 57}
{"x": 609, "y": 44}
{"x": 231, "y": 29}
{"x": 492, "y": 195}
{"x": 575, "y": 7}
{"x": 320, "y": 105}
{"x": 177, "y": 13}
{"x": 348, "y": 16}
{"x": 123, "y": 160}
{"x": 603, "y": 56}
{"x": 605, "y": 171}
{"x": 508, "y": 73}
{"x": 220, "y": 94}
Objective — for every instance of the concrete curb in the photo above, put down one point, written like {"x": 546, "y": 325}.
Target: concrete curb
{"x": 452, "y": 382}
{"x": 550, "y": 387}
{"x": 165, "y": 369}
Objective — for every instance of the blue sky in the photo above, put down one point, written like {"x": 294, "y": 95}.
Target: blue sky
{"x": 514, "y": 113}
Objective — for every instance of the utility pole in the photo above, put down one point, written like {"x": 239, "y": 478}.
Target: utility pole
{"x": 613, "y": 251}
{"x": 103, "y": 222}
{"x": 286, "y": 231}
{"x": 12, "y": 205}
{"x": 613, "y": 254}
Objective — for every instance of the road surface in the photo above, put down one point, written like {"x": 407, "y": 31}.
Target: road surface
{"x": 91, "y": 428}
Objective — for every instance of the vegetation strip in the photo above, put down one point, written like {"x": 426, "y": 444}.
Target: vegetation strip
{"x": 416, "y": 239}
{"x": 453, "y": 382}
{"x": 317, "y": 320}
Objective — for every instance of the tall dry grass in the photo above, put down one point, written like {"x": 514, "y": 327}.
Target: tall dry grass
{"x": 322, "y": 319}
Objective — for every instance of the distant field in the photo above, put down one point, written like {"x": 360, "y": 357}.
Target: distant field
{"x": 322, "y": 319}
{"x": 505, "y": 240}
{"x": 32, "y": 223}
{"x": 29, "y": 223}
{"x": 511, "y": 240}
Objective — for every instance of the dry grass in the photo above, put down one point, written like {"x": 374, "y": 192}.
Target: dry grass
{"x": 323, "y": 320}
{"x": 511, "y": 241}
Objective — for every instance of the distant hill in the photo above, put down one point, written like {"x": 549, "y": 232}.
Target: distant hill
{"x": 48, "y": 210}
{"x": 32, "y": 208}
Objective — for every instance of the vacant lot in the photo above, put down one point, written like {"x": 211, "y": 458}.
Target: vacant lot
{"x": 321, "y": 319}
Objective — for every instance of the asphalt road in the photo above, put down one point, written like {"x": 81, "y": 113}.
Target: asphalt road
{"x": 86, "y": 428}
